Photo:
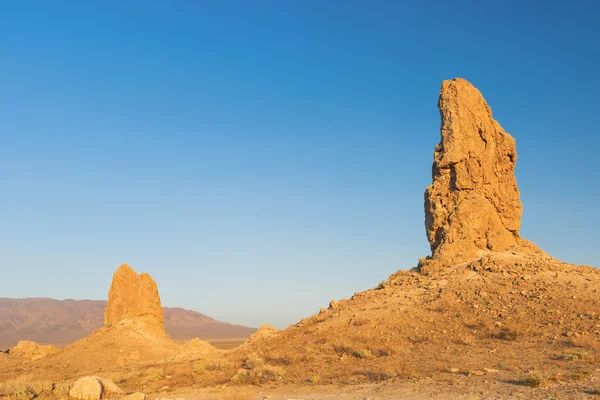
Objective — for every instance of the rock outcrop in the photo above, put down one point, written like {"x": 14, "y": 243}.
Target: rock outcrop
{"x": 264, "y": 331}
{"x": 32, "y": 350}
{"x": 134, "y": 298}
{"x": 93, "y": 388}
{"x": 473, "y": 205}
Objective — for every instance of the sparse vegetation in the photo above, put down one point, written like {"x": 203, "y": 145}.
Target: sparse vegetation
{"x": 532, "y": 380}
{"x": 373, "y": 376}
{"x": 154, "y": 374}
{"x": 207, "y": 365}
{"x": 362, "y": 353}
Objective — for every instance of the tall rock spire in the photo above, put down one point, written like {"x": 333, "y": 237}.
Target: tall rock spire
{"x": 472, "y": 206}
{"x": 134, "y": 298}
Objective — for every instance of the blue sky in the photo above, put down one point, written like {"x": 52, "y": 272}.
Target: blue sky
{"x": 261, "y": 158}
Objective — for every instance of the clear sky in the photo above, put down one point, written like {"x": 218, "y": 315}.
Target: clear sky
{"x": 260, "y": 158}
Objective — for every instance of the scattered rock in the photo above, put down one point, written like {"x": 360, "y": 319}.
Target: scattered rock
{"x": 32, "y": 350}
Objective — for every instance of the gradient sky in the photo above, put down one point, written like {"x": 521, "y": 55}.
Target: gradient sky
{"x": 260, "y": 158}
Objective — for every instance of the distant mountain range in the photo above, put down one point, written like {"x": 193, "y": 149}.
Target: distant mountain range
{"x": 60, "y": 322}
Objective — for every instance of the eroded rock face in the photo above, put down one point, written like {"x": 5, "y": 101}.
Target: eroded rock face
{"x": 134, "y": 298}
{"x": 473, "y": 205}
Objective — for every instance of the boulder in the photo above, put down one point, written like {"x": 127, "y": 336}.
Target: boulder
{"x": 93, "y": 388}
{"x": 32, "y": 350}
{"x": 87, "y": 388}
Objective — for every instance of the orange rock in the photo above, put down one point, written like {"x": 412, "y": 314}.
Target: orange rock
{"x": 32, "y": 350}
{"x": 134, "y": 298}
{"x": 264, "y": 331}
{"x": 473, "y": 205}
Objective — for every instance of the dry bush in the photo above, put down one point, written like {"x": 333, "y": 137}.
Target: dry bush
{"x": 508, "y": 332}
{"x": 17, "y": 390}
{"x": 373, "y": 376}
{"x": 252, "y": 362}
{"x": 580, "y": 375}
{"x": 362, "y": 353}
{"x": 254, "y": 371}
{"x": 154, "y": 374}
{"x": 342, "y": 349}
{"x": 62, "y": 388}
{"x": 279, "y": 360}
{"x": 532, "y": 380}
{"x": 206, "y": 365}
{"x": 42, "y": 387}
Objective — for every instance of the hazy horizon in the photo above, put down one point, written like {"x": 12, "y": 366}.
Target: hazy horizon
{"x": 261, "y": 161}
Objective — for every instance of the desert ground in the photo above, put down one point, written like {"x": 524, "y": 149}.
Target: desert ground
{"x": 488, "y": 315}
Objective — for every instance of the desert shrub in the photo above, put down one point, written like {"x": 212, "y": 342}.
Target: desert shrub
{"x": 362, "y": 353}
{"x": 202, "y": 366}
{"x": 373, "y": 376}
{"x": 314, "y": 379}
{"x": 383, "y": 352}
{"x": 42, "y": 387}
{"x": 505, "y": 333}
{"x": 252, "y": 362}
{"x": 342, "y": 349}
{"x": 580, "y": 375}
{"x": 579, "y": 355}
{"x": 258, "y": 374}
{"x": 279, "y": 360}
{"x": 154, "y": 374}
{"x": 532, "y": 380}
{"x": 17, "y": 390}
{"x": 62, "y": 388}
